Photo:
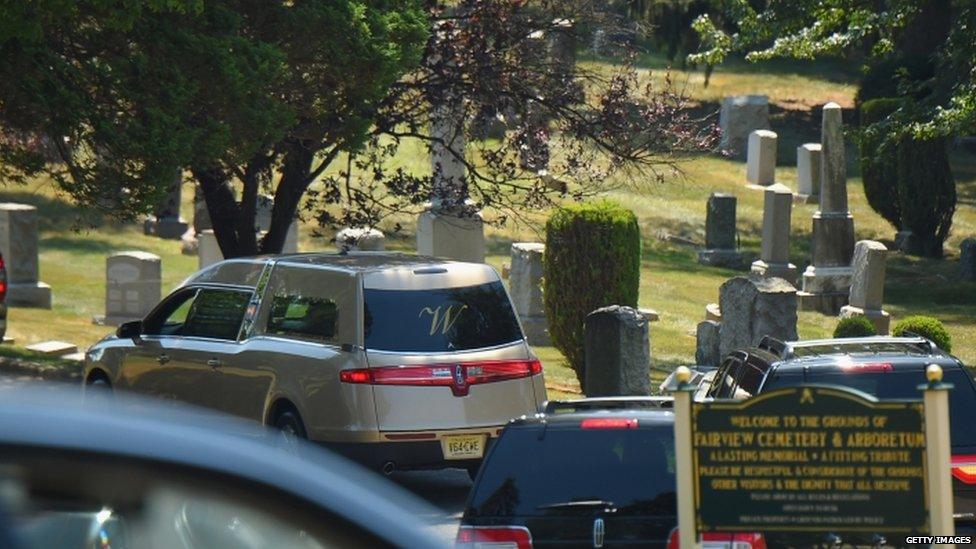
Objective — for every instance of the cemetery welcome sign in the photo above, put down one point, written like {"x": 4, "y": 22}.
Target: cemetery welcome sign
{"x": 810, "y": 459}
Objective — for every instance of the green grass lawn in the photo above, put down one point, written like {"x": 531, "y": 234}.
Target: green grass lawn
{"x": 672, "y": 282}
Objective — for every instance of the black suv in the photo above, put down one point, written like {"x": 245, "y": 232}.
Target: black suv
{"x": 586, "y": 473}
{"x": 885, "y": 367}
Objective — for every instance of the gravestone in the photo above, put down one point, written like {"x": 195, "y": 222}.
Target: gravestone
{"x": 525, "y": 287}
{"x": 618, "y": 353}
{"x": 827, "y": 281}
{"x": 774, "y": 259}
{"x": 445, "y": 229}
{"x": 756, "y": 307}
{"x": 867, "y": 285}
{"x": 201, "y": 215}
{"x": 967, "y": 259}
{"x": 708, "y": 343}
{"x": 761, "y": 158}
{"x": 740, "y": 116}
{"x": 18, "y": 244}
{"x": 263, "y": 207}
{"x": 365, "y": 239}
{"x": 720, "y": 242}
{"x": 133, "y": 282}
{"x": 713, "y": 312}
{"x": 808, "y": 157}
{"x": 291, "y": 239}
{"x": 166, "y": 221}
{"x": 208, "y": 251}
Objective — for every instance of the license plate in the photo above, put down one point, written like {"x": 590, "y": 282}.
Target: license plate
{"x": 463, "y": 446}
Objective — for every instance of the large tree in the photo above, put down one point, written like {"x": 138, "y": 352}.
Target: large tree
{"x": 252, "y": 95}
{"x": 942, "y": 32}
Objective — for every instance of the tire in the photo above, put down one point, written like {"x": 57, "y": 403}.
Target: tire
{"x": 292, "y": 430}
{"x": 98, "y": 389}
{"x": 290, "y": 424}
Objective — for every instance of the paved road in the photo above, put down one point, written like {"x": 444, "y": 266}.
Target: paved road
{"x": 447, "y": 490}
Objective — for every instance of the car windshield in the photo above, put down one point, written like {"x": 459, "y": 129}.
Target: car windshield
{"x": 439, "y": 320}
{"x": 899, "y": 385}
{"x": 569, "y": 471}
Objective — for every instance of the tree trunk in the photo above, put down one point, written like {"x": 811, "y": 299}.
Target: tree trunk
{"x": 222, "y": 208}
{"x": 295, "y": 179}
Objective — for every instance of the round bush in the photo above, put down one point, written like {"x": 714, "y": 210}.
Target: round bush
{"x": 926, "y": 327}
{"x": 592, "y": 259}
{"x": 855, "y": 326}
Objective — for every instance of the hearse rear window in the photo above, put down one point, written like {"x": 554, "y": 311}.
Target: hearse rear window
{"x": 439, "y": 320}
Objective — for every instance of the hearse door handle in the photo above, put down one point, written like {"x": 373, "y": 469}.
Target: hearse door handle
{"x": 214, "y": 363}
{"x": 162, "y": 359}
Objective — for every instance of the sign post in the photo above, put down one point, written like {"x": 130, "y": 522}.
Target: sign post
{"x": 937, "y": 454}
{"x": 684, "y": 469}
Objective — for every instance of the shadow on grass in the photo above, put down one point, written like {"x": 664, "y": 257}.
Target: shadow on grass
{"x": 54, "y": 214}
{"x": 823, "y": 69}
{"x": 79, "y": 244}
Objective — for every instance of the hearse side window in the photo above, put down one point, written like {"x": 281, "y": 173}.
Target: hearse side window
{"x": 169, "y": 317}
{"x": 309, "y": 304}
{"x": 303, "y": 317}
{"x": 216, "y": 313}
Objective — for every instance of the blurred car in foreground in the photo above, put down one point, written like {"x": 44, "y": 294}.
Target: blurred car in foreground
{"x": 589, "y": 473}
{"x": 398, "y": 361}
{"x": 133, "y": 474}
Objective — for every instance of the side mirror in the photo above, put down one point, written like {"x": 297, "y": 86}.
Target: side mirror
{"x": 129, "y": 330}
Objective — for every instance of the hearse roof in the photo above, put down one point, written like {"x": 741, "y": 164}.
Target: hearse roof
{"x": 246, "y": 271}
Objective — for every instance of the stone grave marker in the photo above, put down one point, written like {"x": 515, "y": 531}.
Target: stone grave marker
{"x": 166, "y": 221}
{"x": 525, "y": 287}
{"x": 967, "y": 259}
{"x": 441, "y": 230}
{"x": 133, "y": 286}
{"x": 761, "y": 158}
{"x": 774, "y": 259}
{"x": 209, "y": 251}
{"x": 808, "y": 158}
{"x": 708, "y": 343}
{"x": 756, "y": 307}
{"x": 618, "y": 353}
{"x": 720, "y": 233}
{"x": 365, "y": 239}
{"x": 18, "y": 244}
{"x": 867, "y": 285}
{"x": 740, "y": 116}
{"x": 827, "y": 281}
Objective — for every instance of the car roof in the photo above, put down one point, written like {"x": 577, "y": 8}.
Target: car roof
{"x": 245, "y": 271}
{"x": 840, "y": 362}
{"x": 644, "y": 417}
{"x": 363, "y": 261}
{"x": 58, "y": 419}
{"x": 902, "y": 353}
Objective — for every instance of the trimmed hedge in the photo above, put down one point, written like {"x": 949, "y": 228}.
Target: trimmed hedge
{"x": 927, "y": 192}
{"x": 925, "y": 326}
{"x": 855, "y": 326}
{"x": 878, "y": 165}
{"x": 592, "y": 260}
